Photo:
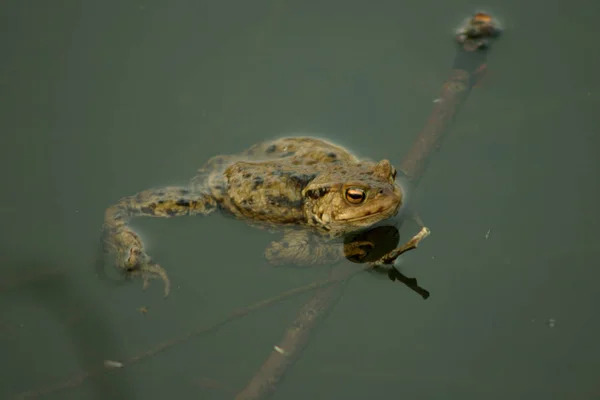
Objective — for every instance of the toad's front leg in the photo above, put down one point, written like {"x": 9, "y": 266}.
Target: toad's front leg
{"x": 301, "y": 247}
{"x": 126, "y": 244}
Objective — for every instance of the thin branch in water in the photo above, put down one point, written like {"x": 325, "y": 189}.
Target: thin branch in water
{"x": 295, "y": 338}
{"x": 82, "y": 376}
{"x": 473, "y": 37}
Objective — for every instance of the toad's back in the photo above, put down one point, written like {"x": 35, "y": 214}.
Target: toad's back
{"x": 290, "y": 181}
{"x": 265, "y": 182}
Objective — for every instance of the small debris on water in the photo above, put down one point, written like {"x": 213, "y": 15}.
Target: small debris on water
{"x": 487, "y": 235}
{"x": 551, "y": 322}
{"x": 438, "y": 100}
{"x": 112, "y": 364}
{"x": 280, "y": 350}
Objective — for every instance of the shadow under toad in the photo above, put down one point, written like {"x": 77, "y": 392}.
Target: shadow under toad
{"x": 89, "y": 330}
{"x": 383, "y": 239}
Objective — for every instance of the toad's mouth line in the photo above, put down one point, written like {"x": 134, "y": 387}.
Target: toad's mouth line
{"x": 388, "y": 211}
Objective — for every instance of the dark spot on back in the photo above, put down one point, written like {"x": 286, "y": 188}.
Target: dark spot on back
{"x": 184, "y": 192}
{"x": 271, "y": 149}
{"x": 332, "y": 155}
{"x": 256, "y": 182}
{"x": 301, "y": 180}
{"x": 182, "y": 203}
{"x": 282, "y": 201}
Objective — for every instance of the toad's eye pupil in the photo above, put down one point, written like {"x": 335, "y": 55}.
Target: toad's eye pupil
{"x": 355, "y": 196}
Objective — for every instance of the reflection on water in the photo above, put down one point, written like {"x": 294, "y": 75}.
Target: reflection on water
{"x": 83, "y": 322}
{"x": 87, "y": 117}
{"x": 63, "y": 300}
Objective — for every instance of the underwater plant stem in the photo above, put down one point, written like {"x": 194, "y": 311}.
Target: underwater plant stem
{"x": 473, "y": 40}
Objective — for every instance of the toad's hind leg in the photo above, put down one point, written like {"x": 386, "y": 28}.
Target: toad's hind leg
{"x": 126, "y": 245}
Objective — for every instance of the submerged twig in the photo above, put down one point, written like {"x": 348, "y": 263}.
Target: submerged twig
{"x": 296, "y": 336}
{"x": 390, "y": 257}
{"x": 470, "y": 61}
{"x": 472, "y": 37}
{"x": 109, "y": 366}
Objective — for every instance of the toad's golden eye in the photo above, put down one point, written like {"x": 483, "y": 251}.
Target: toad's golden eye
{"x": 355, "y": 195}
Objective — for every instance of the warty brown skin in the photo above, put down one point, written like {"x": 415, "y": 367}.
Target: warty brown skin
{"x": 313, "y": 190}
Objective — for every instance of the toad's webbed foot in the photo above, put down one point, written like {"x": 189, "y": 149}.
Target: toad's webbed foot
{"x": 126, "y": 244}
{"x": 138, "y": 263}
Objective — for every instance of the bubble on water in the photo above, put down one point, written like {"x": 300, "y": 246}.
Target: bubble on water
{"x": 551, "y": 322}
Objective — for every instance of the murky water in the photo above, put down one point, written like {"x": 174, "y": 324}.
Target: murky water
{"x": 103, "y": 100}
